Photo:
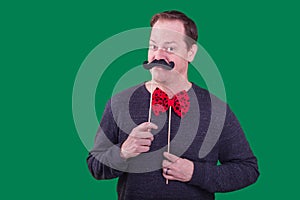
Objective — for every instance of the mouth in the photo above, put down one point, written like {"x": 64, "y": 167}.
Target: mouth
{"x": 159, "y": 64}
{"x": 160, "y": 68}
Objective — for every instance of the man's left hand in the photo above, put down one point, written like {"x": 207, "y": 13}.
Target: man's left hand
{"x": 176, "y": 168}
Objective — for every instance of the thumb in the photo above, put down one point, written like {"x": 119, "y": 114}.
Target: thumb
{"x": 146, "y": 126}
{"x": 171, "y": 157}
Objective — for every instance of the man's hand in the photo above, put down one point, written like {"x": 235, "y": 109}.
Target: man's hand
{"x": 138, "y": 141}
{"x": 176, "y": 168}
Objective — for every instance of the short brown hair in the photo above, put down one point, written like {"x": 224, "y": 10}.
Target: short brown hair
{"x": 189, "y": 25}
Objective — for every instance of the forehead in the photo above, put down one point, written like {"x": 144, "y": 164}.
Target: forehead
{"x": 167, "y": 30}
{"x": 172, "y": 25}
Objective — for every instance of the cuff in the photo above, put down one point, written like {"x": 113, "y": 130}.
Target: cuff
{"x": 198, "y": 177}
{"x": 117, "y": 161}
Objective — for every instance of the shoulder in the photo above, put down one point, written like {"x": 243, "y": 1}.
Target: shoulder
{"x": 125, "y": 95}
{"x": 205, "y": 96}
{"x": 121, "y": 100}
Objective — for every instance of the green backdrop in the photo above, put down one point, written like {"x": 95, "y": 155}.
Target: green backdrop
{"x": 255, "y": 45}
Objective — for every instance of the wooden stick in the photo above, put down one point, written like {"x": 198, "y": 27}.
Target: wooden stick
{"x": 150, "y": 107}
{"x": 169, "y": 135}
{"x": 169, "y": 129}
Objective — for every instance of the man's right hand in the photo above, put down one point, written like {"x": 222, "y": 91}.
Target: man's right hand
{"x": 138, "y": 141}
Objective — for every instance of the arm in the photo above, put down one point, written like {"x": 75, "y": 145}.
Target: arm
{"x": 104, "y": 161}
{"x": 238, "y": 167}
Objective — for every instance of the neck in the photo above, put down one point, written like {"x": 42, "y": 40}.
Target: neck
{"x": 170, "y": 88}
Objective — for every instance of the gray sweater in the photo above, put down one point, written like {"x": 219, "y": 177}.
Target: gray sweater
{"x": 210, "y": 132}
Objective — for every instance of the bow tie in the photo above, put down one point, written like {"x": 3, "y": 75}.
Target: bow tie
{"x": 161, "y": 102}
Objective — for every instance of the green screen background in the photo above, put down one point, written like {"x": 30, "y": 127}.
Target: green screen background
{"x": 255, "y": 45}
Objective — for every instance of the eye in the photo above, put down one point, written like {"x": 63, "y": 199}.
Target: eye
{"x": 170, "y": 49}
{"x": 153, "y": 47}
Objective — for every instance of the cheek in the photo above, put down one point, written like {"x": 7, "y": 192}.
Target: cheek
{"x": 150, "y": 55}
{"x": 177, "y": 59}
{"x": 180, "y": 64}
{"x": 182, "y": 56}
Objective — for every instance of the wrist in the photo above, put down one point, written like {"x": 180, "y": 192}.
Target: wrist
{"x": 123, "y": 154}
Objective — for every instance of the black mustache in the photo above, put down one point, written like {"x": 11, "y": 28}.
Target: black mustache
{"x": 159, "y": 63}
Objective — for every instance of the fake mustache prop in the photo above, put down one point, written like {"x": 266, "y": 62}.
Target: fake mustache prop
{"x": 168, "y": 66}
{"x": 159, "y": 63}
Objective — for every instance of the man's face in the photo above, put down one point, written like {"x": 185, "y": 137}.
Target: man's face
{"x": 167, "y": 42}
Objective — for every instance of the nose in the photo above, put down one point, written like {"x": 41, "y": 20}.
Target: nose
{"x": 160, "y": 54}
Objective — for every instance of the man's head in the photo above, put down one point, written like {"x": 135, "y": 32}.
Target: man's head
{"x": 190, "y": 28}
{"x": 173, "y": 38}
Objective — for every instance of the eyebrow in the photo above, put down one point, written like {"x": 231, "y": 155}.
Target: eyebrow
{"x": 171, "y": 42}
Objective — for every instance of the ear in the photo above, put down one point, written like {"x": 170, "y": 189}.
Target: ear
{"x": 192, "y": 52}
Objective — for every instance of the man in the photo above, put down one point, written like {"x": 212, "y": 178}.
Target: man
{"x": 135, "y": 150}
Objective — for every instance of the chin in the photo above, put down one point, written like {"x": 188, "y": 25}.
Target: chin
{"x": 159, "y": 79}
{"x": 160, "y": 75}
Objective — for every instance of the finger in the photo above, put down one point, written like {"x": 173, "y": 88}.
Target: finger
{"x": 142, "y": 149}
{"x": 172, "y": 175}
{"x": 169, "y": 177}
{"x": 144, "y": 135}
{"x": 146, "y": 126}
{"x": 166, "y": 170}
{"x": 171, "y": 157}
{"x": 167, "y": 164}
{"x": 144, "y": 142}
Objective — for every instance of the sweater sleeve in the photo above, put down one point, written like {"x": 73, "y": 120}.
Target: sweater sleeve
{"x": 238, "y": 166}
{"x": 104, "y": 161}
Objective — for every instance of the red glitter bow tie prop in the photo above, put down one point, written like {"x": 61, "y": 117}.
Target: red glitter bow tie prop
{"x": 161, "y": 102}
